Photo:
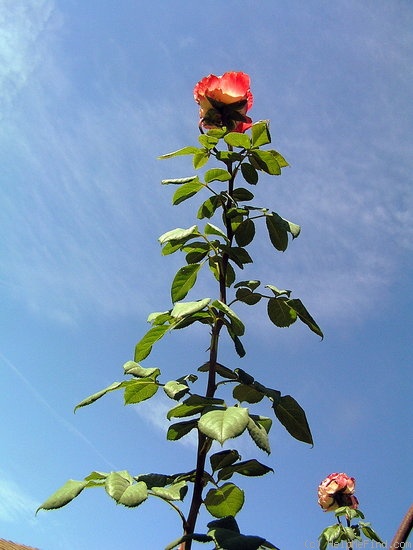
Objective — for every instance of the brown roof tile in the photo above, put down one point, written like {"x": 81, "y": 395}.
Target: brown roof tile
{"x": 7, "y": 545}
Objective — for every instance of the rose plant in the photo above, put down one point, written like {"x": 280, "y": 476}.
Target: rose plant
{"x": 213, "y": 413}
{"x": 336, "y": 493}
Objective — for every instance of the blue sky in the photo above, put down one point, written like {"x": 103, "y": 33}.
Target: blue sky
{"x": 90, "y": 94}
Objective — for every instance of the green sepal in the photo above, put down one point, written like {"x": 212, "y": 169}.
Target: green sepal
{"x": 226, "y": 500}
{"x": 293, "y": 418}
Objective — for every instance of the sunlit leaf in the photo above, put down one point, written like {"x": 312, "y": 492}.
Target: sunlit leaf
{"x": 139, "y": 390}
{"x": 177, "y": 491}
{"x": 224, "y": 424}
{"x": 175, "y": 390}
{"x": 183, "y": 309}
{"x": 260, "y": 132}
{"x": 144, "y": 347}
{"x": 258, "y": 431}
{"x": 183, "y": 281}
{"x": 99, "y": 394}
{"x": 216, "y": 174}
{"x": 179, "y": 235}
{"x": 200, "y": 158}
{"x": 134, "y": 369}
{"x": 224, "y": 501}
{"x": 125, "y": 491}
{"x": 186, "y": 191}
{"x": 179, "y": 152}
{"x": 70, "y": 490}
{"x": 237, "y": 139}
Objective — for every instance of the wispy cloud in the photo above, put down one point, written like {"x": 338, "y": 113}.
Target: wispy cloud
{"x": 15, "y": 504}
{"x": 57, "y": 417}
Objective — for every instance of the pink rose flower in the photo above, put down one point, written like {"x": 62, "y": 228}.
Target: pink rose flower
{"x": 224, "y": 101}
{"x": 335, "y": 491}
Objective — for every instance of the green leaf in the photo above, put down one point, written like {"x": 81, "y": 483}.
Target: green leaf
{"x": 179, "y": 152}
{"x": 183, "y": 281}
{"x": 224, "y": 501}
{"x": 304, "y": 316}
{"x": 99, "y": 394}
{"x": 277, "y": 232}
{"x": 200, "y": 158}
{"x": 139, "y": 390}
{"x": 179, "y": 181}
{"x": 239, "y": 348}
{"x": 266, "y": 161}
{"x": 236, "y": 139}
{"x": 249, "y": 173}
{"x": 248, "y": 394}
{"x": 179, "y": 235}
{"x": 122, "y": 489}
{"x": 277, "y": 292}
{"x": 225, "y": 372}
{"x": 194, "y": 404}
{"x": 369, "y": 532}
{"x": 280, "y": 313}
{"x": 258, "y": 428}
{"x": 177, "y": 491}
{"x": 217, "y": 174}
{"x": 208, "y": 208}
{"x": 134, "y": 369}
{"x": 186, "y": 191}
{"x": 242, "y": 194}
{"x": 247, "y": 297}
{"x": 245, "y": 232}
{"x": 175, "y": 390}
{"x": 197, "y": 537}
{"x": 252, "y": 285}
{"x": 260, "y": 132}
{"x": 293, "y": 418}
{"x": 249, "y": 468}
{"x": 144, "y": 347}
{"x": 223, "y": 458}
{"x": 70, "y": 490}
{"x": 196, "y": 251}
{"x": 280, "y": 159}
{"x": 184, "y": 309}
{"x": 224, "y": 424}
{"x": 237, "y": 325}
{"x": 207, "y": 141}
{"x": 179, "y": 429}
{"x": 214, "y": 230}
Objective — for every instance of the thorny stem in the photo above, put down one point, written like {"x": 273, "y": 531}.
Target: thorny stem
{"x": 204, "y": 443}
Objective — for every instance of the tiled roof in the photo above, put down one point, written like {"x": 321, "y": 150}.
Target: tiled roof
{"x": 7, "y": 545}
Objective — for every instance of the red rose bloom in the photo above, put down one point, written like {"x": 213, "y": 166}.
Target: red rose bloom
{"x": 335, "y": 491}
{"x": 224, "y": 101}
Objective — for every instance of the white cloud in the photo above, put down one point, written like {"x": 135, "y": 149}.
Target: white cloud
{"x": 15, "y": 504}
